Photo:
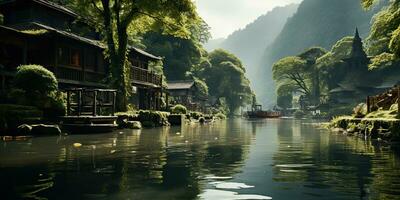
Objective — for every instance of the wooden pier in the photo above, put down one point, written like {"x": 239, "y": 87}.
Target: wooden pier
{"x": 90, "y": 111}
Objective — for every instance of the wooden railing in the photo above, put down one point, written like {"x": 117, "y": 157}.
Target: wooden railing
{"x": 384, "y": 100}
{"x": 79, "y": 75}
{"x": 142, "y": 75}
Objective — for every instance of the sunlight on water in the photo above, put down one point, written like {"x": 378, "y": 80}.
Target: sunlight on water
{"x": 234, "y": 159}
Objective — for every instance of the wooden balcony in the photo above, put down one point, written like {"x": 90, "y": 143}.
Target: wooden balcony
{"x": 145, "y": 77}
{"x": 67, "y": 73}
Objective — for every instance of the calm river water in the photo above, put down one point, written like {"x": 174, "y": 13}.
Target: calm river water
{"x": 234, "y": 159}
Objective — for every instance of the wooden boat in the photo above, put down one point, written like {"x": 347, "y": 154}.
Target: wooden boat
{"x": 257, "y": 112}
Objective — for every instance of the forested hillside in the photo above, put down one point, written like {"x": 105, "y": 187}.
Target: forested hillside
{"x": 249, "y": 43}
{"x": 316, "y": 23}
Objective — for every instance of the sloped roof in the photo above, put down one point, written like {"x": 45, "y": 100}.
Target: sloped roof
{"x": 48, "y": 4}
{"x": 96, "y": 43}
{"x": 144, "y": 53}
{"x": 180, "y": 85}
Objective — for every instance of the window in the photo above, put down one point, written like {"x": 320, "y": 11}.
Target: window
{"x": 69, "y": 57}
{"x": 90, "y": 60}
{"x": 75, "y": 58}
{"x": 63, "y": 56}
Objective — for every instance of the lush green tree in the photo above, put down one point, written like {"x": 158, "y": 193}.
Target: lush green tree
{"x": 299, "y": 74}
{"x": 225, "y": 77}
{"x": 385, "y": 31}
{"x": 180, "y": 54}
{"x": 293, "y": 71}
{"x": 332, "y": 66}
{"x": 118, "y": 19}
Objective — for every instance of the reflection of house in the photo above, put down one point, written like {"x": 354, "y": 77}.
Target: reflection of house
{"x": 41, "y": 32}
{"x": 186, "y": 92}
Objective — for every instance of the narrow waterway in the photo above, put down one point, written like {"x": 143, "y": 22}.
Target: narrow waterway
{"x": 234, "y": 159}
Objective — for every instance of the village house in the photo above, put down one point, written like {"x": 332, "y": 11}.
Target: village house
{"x": 44, "y": 33}
{"x": 185, "y": 92}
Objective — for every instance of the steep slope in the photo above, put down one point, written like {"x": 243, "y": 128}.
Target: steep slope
{"x": 316, "y": 23}
{"x": 250, "y": 42}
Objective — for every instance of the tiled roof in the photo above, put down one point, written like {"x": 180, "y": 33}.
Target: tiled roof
{"x": 180, "y": 85}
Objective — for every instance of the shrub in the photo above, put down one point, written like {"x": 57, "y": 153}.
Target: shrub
{"x": 156, "y": 117}
{"x": 37, "y": 86}
{"x": 220, "y": 116}
{"x": 196, "y": 115}
{"x": 35, "y": 78}
{"x": 179, "y": 109}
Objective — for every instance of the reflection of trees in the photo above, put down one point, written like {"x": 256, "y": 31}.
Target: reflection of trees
{"x": 348, "y": 166}
{"x": 163, "y": 163}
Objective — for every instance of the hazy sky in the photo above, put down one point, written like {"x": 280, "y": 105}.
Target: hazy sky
{"x": 226, "y": 16}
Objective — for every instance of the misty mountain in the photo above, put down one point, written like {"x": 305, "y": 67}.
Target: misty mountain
{"x": 250, "y": 42}
{"x": 316, "y": 23}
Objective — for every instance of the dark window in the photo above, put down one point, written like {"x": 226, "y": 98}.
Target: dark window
{"x": 90, "y": 60}
{"x": 64, "y": 56}
{"x": 75, "y": 57}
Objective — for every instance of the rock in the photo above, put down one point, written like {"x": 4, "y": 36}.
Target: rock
{"x": 24, "y": 129}
{"x": 133, "y": 125}
{"x": 176, "y": 119}
{"x": 202, "y": 120}
{"x": 42, "y": 129}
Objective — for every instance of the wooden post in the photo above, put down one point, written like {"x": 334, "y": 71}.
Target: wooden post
{"x": 79, "y": 102}
{"x": 368, "y": 105}
{"x": 113, "y": 103}
{"x": 68, "y": 103}
{"x": 95, "y": 103}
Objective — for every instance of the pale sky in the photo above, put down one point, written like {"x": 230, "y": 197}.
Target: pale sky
{"x": 226, "y": 16}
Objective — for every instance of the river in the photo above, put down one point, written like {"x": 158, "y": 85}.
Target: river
{"x": 233, "y": 159}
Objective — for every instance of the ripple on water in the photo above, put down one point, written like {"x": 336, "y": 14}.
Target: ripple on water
{"x": 230, "y": 185}
{"x": 228, "y": 195}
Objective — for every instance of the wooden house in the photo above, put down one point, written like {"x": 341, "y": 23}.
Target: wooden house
{"x": 185, "y": 92}
{"x": 44, "y": 33}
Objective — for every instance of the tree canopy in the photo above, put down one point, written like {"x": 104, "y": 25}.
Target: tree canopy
{"x": 118, "y": 20}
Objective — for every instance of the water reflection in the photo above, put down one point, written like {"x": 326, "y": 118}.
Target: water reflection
{"x": 236, "y": 159}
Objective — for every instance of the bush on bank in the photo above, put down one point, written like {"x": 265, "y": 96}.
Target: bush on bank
{"x": 179, "y": 109}
{"x": 36, "y": 86}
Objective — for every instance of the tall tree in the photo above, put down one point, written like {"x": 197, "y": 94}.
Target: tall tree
{"x": 117, "y": 19}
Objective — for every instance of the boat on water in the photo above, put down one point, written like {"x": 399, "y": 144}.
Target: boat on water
{"x": 257, "y": 112}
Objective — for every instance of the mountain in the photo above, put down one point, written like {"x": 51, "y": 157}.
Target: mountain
{"x": 316, "y": 23}
{"x": 250, "y": 42}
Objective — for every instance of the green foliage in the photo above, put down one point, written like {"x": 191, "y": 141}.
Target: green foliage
{"x": 196, "y": 115}
{"x": 119, "y": 21}
{"x": 202, "y": 87}
{"x": 35, "y": 79}
{"x": 179, "y": 109}
{"x": 225, "y": 77}
{"x": 153, "y": 118}
{"x": 1, "y": 19}
{"x": 220, "y": 116}
{"x": 382, "y": 61}
{"x": 316, "y": 23}
{"x": 36, "y": 86}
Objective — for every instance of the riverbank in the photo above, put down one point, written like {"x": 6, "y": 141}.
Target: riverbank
{"x": 380, "y": 124}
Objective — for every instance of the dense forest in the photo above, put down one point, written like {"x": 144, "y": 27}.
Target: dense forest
{"x": 316, "y": 23}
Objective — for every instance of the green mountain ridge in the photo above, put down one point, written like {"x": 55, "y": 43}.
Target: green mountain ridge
{"x": 316, "y": 23}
